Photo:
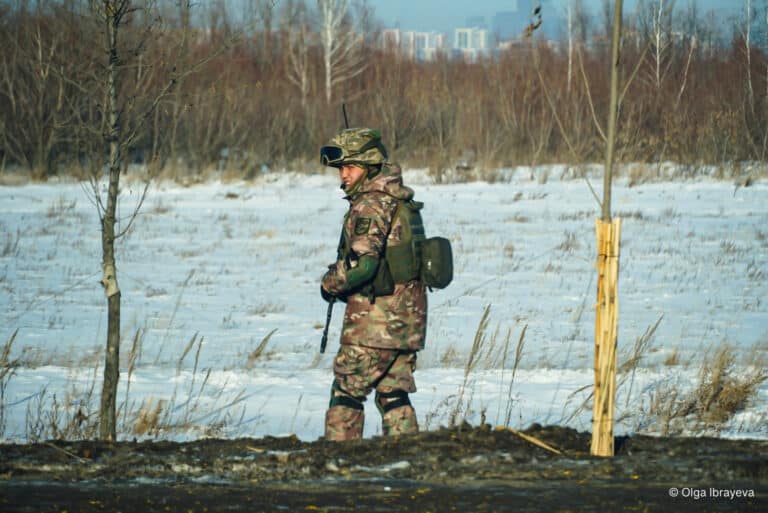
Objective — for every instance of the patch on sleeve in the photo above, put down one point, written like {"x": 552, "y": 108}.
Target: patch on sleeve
{"x": 362, "y": 225}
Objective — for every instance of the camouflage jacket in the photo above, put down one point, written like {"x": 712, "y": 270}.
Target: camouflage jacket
{"x": 398, "y": 321}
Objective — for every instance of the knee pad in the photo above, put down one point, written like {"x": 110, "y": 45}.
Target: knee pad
{"x": 388, "y": 401}
{"x": 341, "y": 398}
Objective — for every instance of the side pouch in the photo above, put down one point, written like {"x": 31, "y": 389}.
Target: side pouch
{"x": 436, "y": 262}
{"x": 383, "y": 284}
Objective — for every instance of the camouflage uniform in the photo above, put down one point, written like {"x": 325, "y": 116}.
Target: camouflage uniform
{"x": 379, "y": 338}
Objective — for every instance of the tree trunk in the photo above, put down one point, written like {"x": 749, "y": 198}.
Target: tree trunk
{"x": 748, "y": 44}
{"x": 609, "y": 154}
{"x": 570, "y": 44}
{"x": 108, "y": 424}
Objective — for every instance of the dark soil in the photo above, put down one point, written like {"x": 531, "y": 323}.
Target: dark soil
{"x": 462, "y": 469}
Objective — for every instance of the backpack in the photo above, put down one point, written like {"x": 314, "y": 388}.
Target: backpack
{"x": 415, "y": 258}
{"x": 428, "y": 259}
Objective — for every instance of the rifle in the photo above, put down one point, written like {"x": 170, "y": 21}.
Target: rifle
{"x": 324, "y": 340}
{"x": 329, "y": 313}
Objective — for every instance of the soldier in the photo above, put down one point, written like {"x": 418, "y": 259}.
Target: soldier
{"x": 377, "y": 275}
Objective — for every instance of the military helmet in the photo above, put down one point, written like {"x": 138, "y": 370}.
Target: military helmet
{"x": 354, "y": 146}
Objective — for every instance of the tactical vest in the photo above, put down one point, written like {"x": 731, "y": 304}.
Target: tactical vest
{"x": 401, "y": 262}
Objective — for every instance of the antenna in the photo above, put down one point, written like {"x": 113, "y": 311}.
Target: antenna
{"x": 344, "y": 110}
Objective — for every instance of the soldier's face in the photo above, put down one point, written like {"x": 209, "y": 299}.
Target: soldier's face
{"x": 350, "y": 174}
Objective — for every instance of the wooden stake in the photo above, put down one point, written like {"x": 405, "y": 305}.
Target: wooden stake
{"x": 606, "y": 330}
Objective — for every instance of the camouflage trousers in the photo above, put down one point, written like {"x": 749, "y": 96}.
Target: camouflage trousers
{"x": 358, "y": 370}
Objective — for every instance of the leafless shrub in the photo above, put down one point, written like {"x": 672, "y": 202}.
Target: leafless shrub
{"x": 71, "y": 417}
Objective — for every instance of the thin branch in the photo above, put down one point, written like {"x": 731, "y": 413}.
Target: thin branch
{"x": 564, "y": 134}
{"x": 135, "y": 213}
{"x": 142, "y": 119}
{"x": 634, "y": 73}
{"x": 589, "y": 95}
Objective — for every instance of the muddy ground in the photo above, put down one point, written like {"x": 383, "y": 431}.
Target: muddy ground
{"x": 461, "y": 469}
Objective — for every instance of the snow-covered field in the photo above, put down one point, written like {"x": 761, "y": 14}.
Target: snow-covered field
{"x": 230, "y": 263}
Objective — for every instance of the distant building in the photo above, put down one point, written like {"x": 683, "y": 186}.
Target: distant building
{"x": 471, "y": 43}
{"x": 422, "y": 46}
{"x": 390, "y": 39}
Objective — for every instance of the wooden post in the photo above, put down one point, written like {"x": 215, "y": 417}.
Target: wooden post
{"x": 606, "y": 329}
{"x": 607, "y": 315}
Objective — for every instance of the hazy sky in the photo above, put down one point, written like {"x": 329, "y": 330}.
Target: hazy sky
{"x": 445, "y": 15}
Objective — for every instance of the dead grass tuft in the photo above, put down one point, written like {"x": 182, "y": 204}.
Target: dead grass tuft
{"x": 721, "y": 391}
{"x": 570, "y": 243}
{"x": 148, "y": 420}
{"x": 11, "y": 245}
{"x": 256, "y": 354}
{"x": 7, "y": 370}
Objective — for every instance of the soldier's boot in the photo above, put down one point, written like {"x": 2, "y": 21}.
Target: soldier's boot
{"x": 397, "y": 415}
{"x": 345, "y": 418}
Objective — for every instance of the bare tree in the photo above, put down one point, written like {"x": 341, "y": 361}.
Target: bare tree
{"x": 661, "y": 32}
{"x": 342, "y": 56}
{"x": 127, "y": 97}
{"x": 113, "y": 14}
{"x": 299, "y": 41}
{"x": 569, "y": 22}
{"x": 34, "y": 89}
{"x": 747, "y": 33}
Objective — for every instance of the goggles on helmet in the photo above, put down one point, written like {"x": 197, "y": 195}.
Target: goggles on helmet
{"x": 331, "y": 155}
{"x": 335, "y": 155}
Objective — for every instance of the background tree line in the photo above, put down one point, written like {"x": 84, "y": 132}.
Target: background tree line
{"x": 273, "y": 96}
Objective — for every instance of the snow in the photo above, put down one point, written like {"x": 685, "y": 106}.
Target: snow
{"x": 228, "y": 263}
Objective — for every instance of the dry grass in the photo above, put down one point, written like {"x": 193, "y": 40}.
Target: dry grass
{"x": 148, "y": 419}
{"x": 461, "y": 410}
{"x": 7, "y": 370}
{"x": 721, "y": 391}
{"x": 487, "y": 352}
{"x": 71, "y": 417}
{"x": 60, "y": 208}
{"x": 259, "y": 351}
{"x": 570, "y": 243}
{"x": 515, "y": 365}
{"x": 73, "y": 414}
{"x": 10, "y": 245}
{"x": 673, "y": 359}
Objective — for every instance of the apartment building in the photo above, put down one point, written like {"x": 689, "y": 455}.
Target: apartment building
{"x": 421, "y": 46}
